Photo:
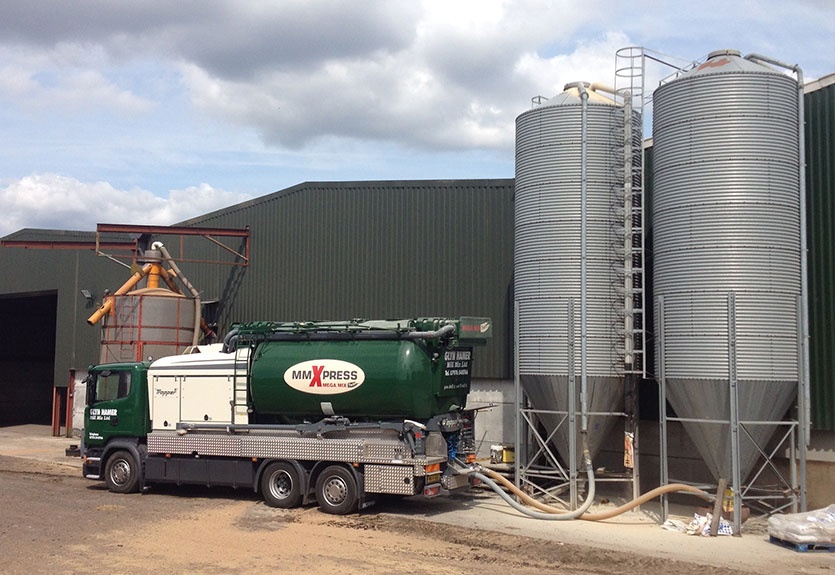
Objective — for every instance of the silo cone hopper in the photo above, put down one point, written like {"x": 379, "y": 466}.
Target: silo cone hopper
{"x": 551, "y": 393}
{"x": 758, "y": 402}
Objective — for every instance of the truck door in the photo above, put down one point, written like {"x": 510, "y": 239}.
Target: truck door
{"x": 115, "y": 405}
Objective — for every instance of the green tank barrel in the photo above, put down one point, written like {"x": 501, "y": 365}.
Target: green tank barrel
{"x": 363, "y": 370}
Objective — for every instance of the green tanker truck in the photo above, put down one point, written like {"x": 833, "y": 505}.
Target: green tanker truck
{"x": 335, "y": 412}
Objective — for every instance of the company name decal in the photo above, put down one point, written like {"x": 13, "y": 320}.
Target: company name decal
{"x": 482, "y": 327}
{"x": 324, "y": 376}
{"x": 97, "y": 414}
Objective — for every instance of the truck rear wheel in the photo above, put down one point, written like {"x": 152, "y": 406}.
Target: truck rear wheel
{"x": 281, "y": 485}
{"x": 122, "y": 472}
{"x": 336, "y": 491}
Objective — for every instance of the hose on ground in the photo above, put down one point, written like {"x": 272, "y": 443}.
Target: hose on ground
{"x": 550, "y": 513}
{"x": 528, "y": 511}
{"x": 546, "y": 512}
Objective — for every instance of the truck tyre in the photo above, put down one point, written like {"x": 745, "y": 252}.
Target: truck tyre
{"x": 281, "y": 485}
{"x": 336, "y": 491}
{"x": 122, "y": 473}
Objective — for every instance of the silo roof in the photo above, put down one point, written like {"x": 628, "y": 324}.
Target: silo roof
{"x": 727, "y": 61}
{"x": 571, "y": 96}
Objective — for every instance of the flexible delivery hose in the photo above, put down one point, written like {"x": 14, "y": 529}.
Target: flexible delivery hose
{"x": 548, "y": 512}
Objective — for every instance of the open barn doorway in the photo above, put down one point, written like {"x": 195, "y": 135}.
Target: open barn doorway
{"x": 27, "y": 357}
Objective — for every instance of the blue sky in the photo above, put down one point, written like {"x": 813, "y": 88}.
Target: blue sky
{"x": 152, "y": 112}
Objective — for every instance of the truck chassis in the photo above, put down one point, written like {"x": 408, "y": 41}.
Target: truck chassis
{"x": 340, "y": 465}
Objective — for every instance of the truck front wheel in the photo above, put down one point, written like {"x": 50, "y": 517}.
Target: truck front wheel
{"x": 336, "y": 491}
{"x": 281, "y": 485}
{"x": 122, "y": 473}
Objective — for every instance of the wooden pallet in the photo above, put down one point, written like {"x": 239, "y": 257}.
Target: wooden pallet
{"x": 803, "y": 547}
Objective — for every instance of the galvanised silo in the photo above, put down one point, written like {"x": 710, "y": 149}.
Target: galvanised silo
{"x": 727, "y": 252}
{"x": 569, "y": 164}
{"x": 147, "y": 323}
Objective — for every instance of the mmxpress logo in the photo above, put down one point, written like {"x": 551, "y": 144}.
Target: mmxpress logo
{"x": 324, "y": 376}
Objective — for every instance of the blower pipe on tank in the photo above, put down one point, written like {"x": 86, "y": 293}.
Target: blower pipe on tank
{"x": 107, "y": 305}
{"x": 804, "y": 269}
{"x": 198, "y": 315}
{"x": 229, "y": 341}
{"x": 445, "y": 330}
{"x": 231, "y": 337}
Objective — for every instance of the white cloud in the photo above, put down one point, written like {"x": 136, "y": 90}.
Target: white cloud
{"x": 458, "y": 85}
{"x": 69, "y": 78}
{"x": 52, "y": 201}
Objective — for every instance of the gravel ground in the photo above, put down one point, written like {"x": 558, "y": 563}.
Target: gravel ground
{"x": 55, "y": 521}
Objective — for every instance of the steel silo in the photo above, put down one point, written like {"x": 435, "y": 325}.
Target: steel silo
{"x": 561, "y": 151}
{"x": 727, "y": 251}
{"x": 148, "y": 322}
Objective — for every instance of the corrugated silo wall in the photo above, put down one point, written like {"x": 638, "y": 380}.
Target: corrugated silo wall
{"x": 820, "y": 212}
{"x": 820, "y": 193}
{"x": 323, "y": 251}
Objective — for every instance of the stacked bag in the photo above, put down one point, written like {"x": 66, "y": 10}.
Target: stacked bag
{"x": 813, "y": 527}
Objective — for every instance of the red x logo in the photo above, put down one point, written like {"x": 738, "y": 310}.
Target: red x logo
{"x": 317, "y": 376}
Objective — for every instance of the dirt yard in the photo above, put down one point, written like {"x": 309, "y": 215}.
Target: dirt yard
{"x": 55, "y": 521}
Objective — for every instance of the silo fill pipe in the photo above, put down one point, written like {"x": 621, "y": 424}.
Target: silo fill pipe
{"x": 548, "y": 512}
{"x": 198, "y": 314}
{"x": 584, "y": 406}
{"x": 804, "y": 263}
{"x": 584, "y": 421}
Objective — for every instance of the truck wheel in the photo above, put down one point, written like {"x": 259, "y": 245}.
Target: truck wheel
{"x": 121, "y": 473}
{"x": 281, "y": 485}
{"x": 336, "y": 491}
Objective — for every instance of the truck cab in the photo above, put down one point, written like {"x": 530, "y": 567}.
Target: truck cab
{"x": 116, "y": 422}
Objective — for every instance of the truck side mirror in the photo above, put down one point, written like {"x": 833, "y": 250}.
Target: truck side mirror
{"x": 90, "y": 382}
